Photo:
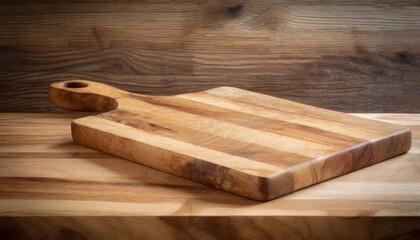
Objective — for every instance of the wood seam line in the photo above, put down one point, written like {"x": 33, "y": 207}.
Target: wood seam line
{"x": 53, "y": 180}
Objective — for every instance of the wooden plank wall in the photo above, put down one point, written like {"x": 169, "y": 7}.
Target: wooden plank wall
{"x": 353, "y": 56}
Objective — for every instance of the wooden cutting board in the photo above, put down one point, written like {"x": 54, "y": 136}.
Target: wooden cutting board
{"x": 250, "y": 144}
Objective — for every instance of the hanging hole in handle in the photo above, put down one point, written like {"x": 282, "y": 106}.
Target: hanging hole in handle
{"x": 75, "y": 84}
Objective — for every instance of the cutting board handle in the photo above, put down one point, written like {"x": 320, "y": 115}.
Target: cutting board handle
{"x": 83, "y": 95}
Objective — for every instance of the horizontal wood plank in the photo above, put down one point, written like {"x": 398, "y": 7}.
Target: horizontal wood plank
{"x": 20, "y": 228}
{"x": 341, "y": 55}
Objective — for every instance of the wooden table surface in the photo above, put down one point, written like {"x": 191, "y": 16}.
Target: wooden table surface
{"x": 50, "y": 186}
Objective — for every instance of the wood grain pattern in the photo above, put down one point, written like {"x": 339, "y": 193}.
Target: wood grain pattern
{"x": 250, "y": 144}
{"x": 34, "y": 228}
{"x": 52, "y": 188}
{"x": 341, "y": 55}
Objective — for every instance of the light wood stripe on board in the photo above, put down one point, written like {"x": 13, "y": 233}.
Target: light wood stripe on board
{"x": 297, "y": 114}
{"x": 298, "y": 108}
{"x": 225, "y": 129}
